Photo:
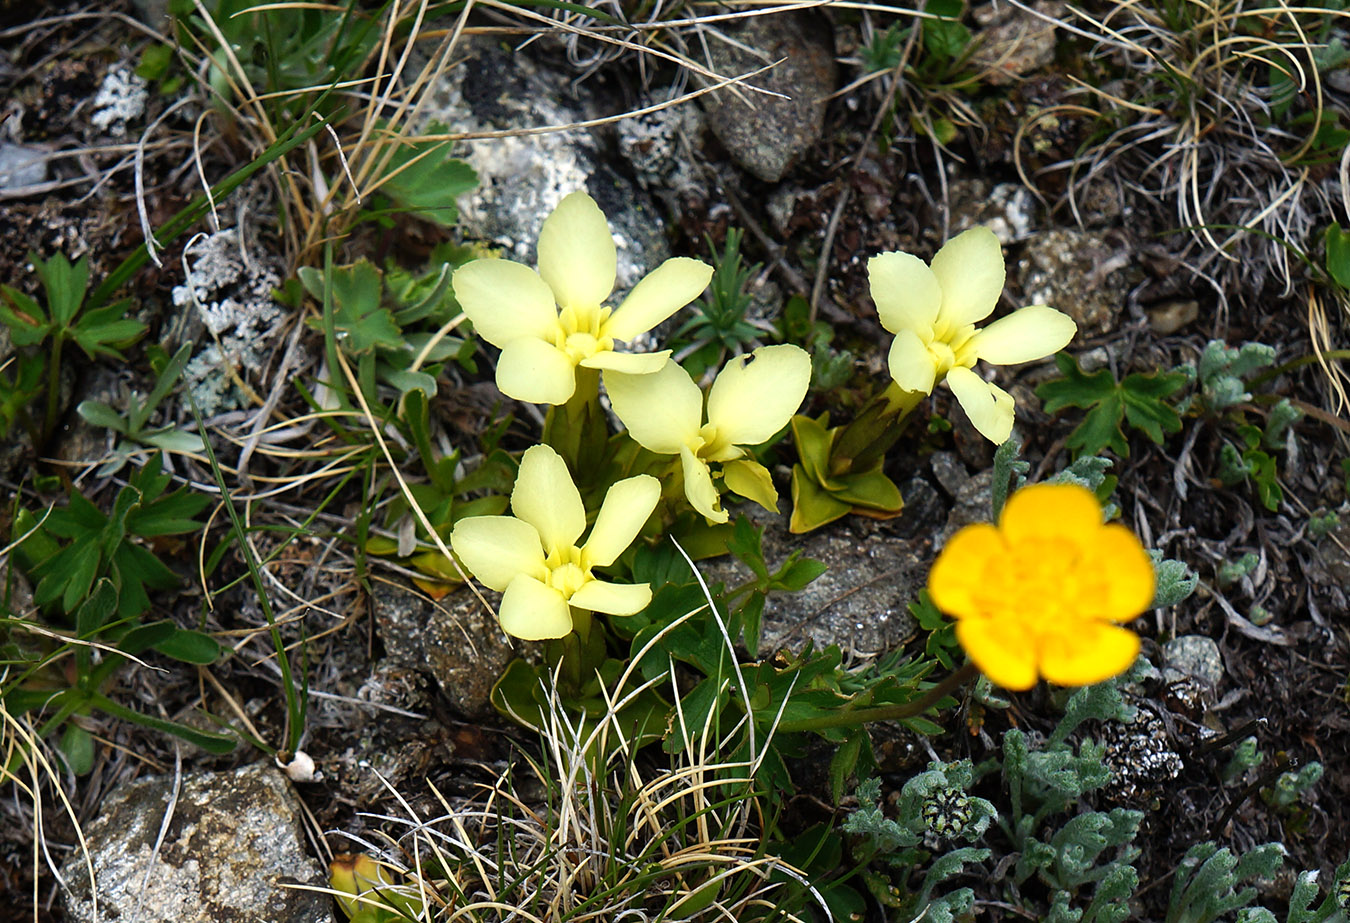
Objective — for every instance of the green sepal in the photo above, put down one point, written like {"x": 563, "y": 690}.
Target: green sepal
{"x": 812, "y": 505}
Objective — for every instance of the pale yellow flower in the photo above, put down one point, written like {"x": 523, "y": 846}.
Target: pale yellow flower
{"x": 533, "y": 558}
{"x": 932, "y": 310}
{"x": 546, "y": 323}
{"x": 752, "y": 398}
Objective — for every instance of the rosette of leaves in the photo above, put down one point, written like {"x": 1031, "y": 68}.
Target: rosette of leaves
{"x": 935, "y": 811}
{"x": 92, "y": 580}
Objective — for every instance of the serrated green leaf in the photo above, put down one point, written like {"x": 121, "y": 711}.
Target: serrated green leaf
{"x": 1141, "y": 399}
{"x": 1145, "y": 402}
{"x": 65, "y": 285}
{"x": 426, "y": 180}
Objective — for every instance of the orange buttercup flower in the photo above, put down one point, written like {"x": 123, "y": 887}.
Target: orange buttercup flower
{"x": 1043, "y": 593}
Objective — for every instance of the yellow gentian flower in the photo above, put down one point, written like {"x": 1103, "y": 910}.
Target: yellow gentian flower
{"x": 546, "y": 323}
{"x": 752, "y": 398}
{"x": 533, "y": 559}
{"x": 932, "y": 310}
{"x": 1043, "y": 592}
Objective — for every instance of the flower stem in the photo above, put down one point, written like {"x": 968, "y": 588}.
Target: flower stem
{"x": 895, "y": 712}
{"x": 860, "y": 445}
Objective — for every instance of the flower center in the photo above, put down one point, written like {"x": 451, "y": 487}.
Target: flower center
{"x": 1041, "y": 584}
{"x": 579, "y": 332}
{"x": 567, "y": 579}
{"x": 711, "y": 445}
{"x": 951, "y": 348}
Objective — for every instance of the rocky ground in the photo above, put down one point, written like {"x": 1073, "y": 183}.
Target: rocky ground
{"x": 820, "y": 180}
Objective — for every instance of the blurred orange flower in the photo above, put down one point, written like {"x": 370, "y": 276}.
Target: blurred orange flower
{"x": 1042, "y": 593}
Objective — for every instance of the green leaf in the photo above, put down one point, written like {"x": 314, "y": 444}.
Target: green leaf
{"x": 97, "y": 610}
{"x": 27, "y": 322}
{"x": 65, "y": 285}
{"x": 190, "y": 647}
{"x": 209, "y": 741}
{"x": 1141, "y": 399}
{"x": 812, "y": 505}
{"x": 143, "y": 637}
{"x": 77, "y": 746}
{"x": 100, "y": 414}
{"x": 179, "y": 441}
{"x": 361, "y": 321}
{"x": 423, "y": 178}
{"x": 795, "y": 575}
{"x": 1338, "y": 254}
{"x": 102, "y": 331}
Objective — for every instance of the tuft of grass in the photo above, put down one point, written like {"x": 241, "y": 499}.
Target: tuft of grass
{"x": 1218, "y": 112}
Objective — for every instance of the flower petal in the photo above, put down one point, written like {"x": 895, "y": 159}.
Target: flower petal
{"x": 958, "y": 571}
{"x": 698, "y": 486}
{"x": 663, "y": 291}
{"x": 546, "y": 498}
{"x": 505, "y": 300}
{"x": 612, "y": 598}
{"x": 628, "y": 363}
{"x": 663, "y": 410}
{"x": 755, "y": 395}
{"x": 969, "y": 267}
{"x": 622, "y": 515}
{"x": 496, "y": 549}
{"x": 1129, "y": 580}
{"x": 1002, "y": 649}
{"x": 534, "y": 611}
{"x": 1084, "y": 652}
{"x": 1052, "y": 511}
{"x": 989, "y": 407}
{"x": 576, "y": 253}
{"x": 752, "y": 481}
{"x": 911, "y": 363}
{"x": 535, "y": 371}
{"x": 906, "y": 291}
{"x": 1024, "y": 335}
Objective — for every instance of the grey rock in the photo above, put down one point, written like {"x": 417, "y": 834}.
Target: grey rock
{"x": 1193, "y": 658}
{"x": 1007, "y": 209}
{"x": 1015, "y": 41}
{"x": 523, "y": 177}
{"x": 454, "y": 639}
{"x": 972, "y": 494}
{"x": 766, "y": 134}
{"x": 860, "y": 603}
{"x": 1082, "y": 273}
{"x": 21, "y": 165}
{"x": 232, "y": 844}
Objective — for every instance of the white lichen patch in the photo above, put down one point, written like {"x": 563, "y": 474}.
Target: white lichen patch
{"x": 230, "y": 290}
{"x": 522, "y": 178}
{"x": 119, "y": 100}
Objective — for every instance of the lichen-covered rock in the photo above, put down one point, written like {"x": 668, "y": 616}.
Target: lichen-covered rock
{"x": 232, "y": 845}
{"x": 453, "y": 639}
{"x": 521, "y": 178}
{"x": 766, "y": 134}
{"x": 228, "y": 290}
